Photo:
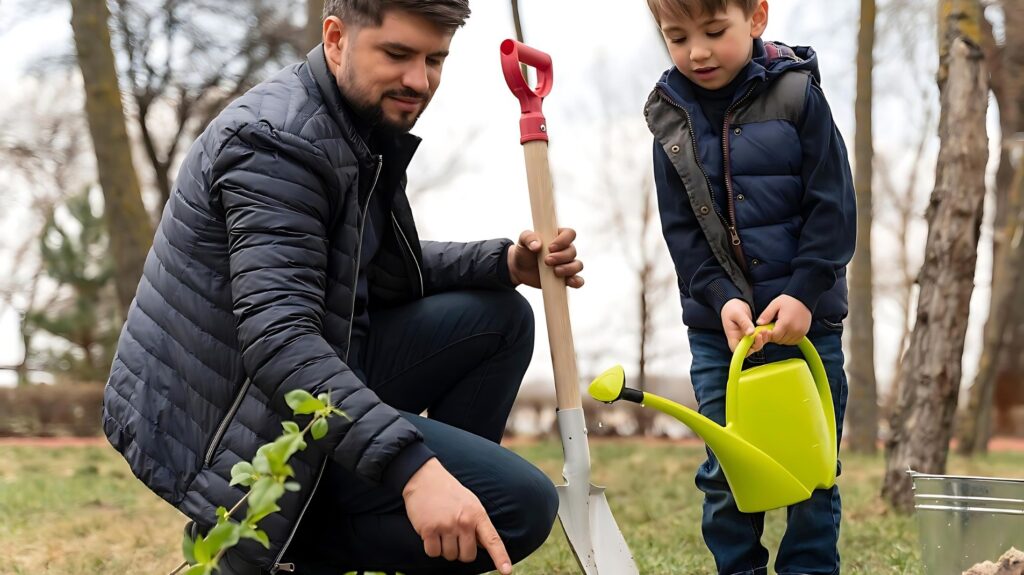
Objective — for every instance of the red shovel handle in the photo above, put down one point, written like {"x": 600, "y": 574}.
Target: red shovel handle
{"x": 532, "y": 125}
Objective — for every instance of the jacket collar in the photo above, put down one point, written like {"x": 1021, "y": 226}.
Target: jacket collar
{"x": 399, "y": 148}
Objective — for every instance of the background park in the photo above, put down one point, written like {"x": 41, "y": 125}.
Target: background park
{"x": 932, "y": 342}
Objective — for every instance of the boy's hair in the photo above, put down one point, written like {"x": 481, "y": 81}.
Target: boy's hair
{"x": 689, "y": 9}
{"x": 446, "y": 14}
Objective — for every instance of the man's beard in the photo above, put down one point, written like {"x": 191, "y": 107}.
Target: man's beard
{"x": 373, "y": 112}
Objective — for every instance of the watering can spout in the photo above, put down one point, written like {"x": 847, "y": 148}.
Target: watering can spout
{"x": 758, "y": 480}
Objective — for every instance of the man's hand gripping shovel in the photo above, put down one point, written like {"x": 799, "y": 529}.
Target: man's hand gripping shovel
{"x": 583, "y": 509}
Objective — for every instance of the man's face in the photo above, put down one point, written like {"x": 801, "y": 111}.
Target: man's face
{"x": 389, "y": 73}
{"x": 711, "y": 49}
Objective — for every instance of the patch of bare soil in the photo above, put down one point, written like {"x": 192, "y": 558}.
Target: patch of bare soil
{"x": 1011, "y": 563}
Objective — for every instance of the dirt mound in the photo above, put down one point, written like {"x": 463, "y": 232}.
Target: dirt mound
{"x": 1011, "y": 563}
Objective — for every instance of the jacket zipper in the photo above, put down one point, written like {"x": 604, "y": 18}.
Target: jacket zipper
{"x": 359, "y": 244}
{"x": 290, "y": 567}
{"x": 223, "y": 427}
{"x": 730, "y": 202}
{"x": 412, "y": 254}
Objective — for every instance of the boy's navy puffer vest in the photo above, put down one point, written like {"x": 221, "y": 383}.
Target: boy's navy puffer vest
{"x": 765, "y": 160}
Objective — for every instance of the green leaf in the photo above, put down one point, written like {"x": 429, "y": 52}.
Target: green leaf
{"x": 292, "y": 486}
{"x": 302, "y": 402}
{"x": 201, "y": 569}
{"x": 247, "y": 531}
{"x": 221, "y": 537}
{"x": 187, "y": 546}
{"x": 261, "y": 536}
{"x": 325, "y": 398}
{"x": 263, "y": 499}
{"x": 223, "y": 515}
{"x": 243, "y": 473}
{"x": 291, "y": 427}
{"x": 201, "y": 551}
{"x": 260, "y": 462}
{"x": 319, "y": 429}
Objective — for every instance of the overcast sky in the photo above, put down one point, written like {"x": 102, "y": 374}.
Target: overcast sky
{"x": 607, "y": 57}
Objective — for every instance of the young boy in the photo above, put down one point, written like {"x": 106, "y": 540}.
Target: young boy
{"x": 758, "y": 210}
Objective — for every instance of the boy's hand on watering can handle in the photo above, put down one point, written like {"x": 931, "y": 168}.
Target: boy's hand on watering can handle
{"x": 738, "y": 322}
{"x": 522, "y": 258}
{"x": 792, "y": 320}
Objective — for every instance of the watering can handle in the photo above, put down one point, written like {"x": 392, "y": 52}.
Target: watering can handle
{"x": 813, "y": 362}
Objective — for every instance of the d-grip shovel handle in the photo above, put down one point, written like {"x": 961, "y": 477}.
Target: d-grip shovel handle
{"x": 542, "y": 205}
{"x": 532, "y": 125}
{"x": 813, "y": 361}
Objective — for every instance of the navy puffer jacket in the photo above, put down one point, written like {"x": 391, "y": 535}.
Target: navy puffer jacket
{"x": 248, "y": 293}
{"x": 780, "y": 163}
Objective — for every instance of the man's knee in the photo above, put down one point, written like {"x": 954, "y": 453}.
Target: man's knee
{"x": 525, "y": 528}
{"x": 519, "y": 314}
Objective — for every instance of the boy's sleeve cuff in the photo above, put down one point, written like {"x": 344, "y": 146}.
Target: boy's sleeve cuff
{"x": 720, "y": 291}
{"x": 808, "y": 285}
{"x": 406, "y": 464}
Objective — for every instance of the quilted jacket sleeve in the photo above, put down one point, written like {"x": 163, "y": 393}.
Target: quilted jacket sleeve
{"x": 472, "y": 265}
{"x": 276, "y": 210}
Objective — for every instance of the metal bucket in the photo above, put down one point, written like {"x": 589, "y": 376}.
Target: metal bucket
{"x": 964, "y": 521}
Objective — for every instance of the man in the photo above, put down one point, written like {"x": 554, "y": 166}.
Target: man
{"x": 287, "y": 258}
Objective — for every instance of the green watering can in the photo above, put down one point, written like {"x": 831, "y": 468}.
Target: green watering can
{"x": 779, "y": 441}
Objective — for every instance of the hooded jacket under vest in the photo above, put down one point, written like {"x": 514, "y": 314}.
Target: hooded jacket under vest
{"x": 786, "y": 177}
{"x": 248, "y": 294}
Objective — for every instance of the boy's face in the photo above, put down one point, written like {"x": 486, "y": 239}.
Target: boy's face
{"x": 711, "y": 49}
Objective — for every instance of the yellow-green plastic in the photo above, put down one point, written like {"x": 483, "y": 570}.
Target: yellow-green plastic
{"x": 779, "y": 441}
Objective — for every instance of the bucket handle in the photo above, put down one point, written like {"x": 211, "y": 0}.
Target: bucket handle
{"x": 813, "y": 361}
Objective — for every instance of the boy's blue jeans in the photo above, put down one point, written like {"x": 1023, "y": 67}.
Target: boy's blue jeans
{"x": 809, "y": 546}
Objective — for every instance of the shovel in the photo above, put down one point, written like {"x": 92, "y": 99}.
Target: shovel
{"x": 779, "y": 441}
{"x": 583, "y": 509}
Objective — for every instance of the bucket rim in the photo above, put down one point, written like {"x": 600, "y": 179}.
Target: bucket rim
{"x": 916, "y": 475}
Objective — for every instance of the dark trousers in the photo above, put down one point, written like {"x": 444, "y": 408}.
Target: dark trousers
{"x": 809, "y": 546}
{"x": 460, "y": 357}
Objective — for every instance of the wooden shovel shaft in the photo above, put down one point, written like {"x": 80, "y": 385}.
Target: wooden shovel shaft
{"x": 556, "y": 299}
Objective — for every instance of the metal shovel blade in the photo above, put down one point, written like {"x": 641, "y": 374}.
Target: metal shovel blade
{"x": 583, "y": 509}
{"x": 609, "y": 550}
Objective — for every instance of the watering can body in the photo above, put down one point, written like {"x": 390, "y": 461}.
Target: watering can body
{"x": 779, "y": 441}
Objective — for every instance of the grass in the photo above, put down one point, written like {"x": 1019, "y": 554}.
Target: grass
{"x": 79, "y": 510}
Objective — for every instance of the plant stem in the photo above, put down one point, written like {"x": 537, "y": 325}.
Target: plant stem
{"x": 220, "y": 553}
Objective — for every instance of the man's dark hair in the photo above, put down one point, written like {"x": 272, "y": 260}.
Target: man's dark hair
{"x": 446, "y": 14}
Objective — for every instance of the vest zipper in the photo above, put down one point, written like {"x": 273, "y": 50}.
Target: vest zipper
{"x": 737, "y": 243}
{"x": 223, "y": 427}
{"x": 696, "y": 152}
{"x": 290, "y": 567}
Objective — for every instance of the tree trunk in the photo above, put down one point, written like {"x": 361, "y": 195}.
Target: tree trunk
{"x": 931, "y": 379}
{"x": 975, "y": 424}
{"x": 1009, "y": 385}
{"x": 645, "y": 417}
{"x": 863, "y": 405}
{"x": 128, "y": 224}
{"x": 314, "y": 22}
